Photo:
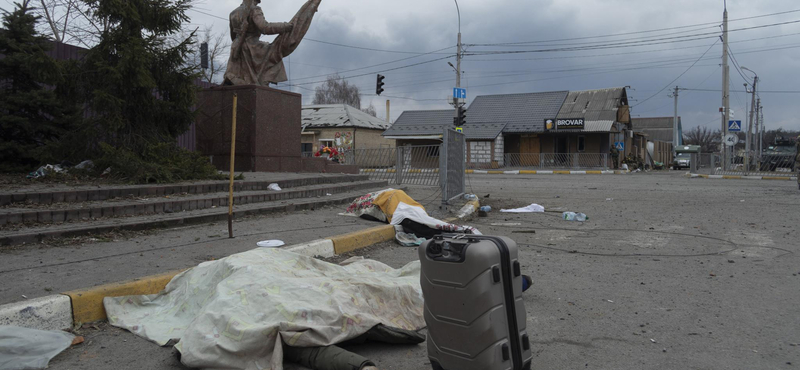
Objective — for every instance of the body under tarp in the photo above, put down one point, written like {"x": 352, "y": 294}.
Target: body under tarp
{"x": 240, "y": 312}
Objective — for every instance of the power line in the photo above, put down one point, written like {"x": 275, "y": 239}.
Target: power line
{"x": 649, "y": 31}
{"x": 681, "y": 75}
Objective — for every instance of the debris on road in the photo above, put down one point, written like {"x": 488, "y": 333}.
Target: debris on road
{"x": 274, "y": 187}
{"x": 408, "y": 240}
{"x": 572, "y": 216}
{"x": 235, "y": 313}
{"x": 395, "y": 207}
{"x": 271, "y": 243}
{"x": 533, "y": 208}
{"x": 22, "y": 348}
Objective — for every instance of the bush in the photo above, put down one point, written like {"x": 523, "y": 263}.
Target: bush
{"x": 160, "y": 163}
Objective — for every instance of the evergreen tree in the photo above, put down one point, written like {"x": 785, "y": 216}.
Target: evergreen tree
{"x": 138, "y": 88}
{"x": 31, "y": 115}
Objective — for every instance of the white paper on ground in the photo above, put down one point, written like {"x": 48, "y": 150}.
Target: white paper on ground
{"x": 271, "y": 244}
{"x": 533, "y": 208}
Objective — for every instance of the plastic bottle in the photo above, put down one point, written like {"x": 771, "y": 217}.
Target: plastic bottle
{"x": 572, "y": 216}
{"x": 486, "y": 209}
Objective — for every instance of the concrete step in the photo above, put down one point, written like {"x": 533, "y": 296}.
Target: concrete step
{"x": 138, "y": 223}
{"x": 106, "y": 193}
{"x": 11, "y": 217}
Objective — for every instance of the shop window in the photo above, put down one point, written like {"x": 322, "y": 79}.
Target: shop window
{"x": 581, "y": 144}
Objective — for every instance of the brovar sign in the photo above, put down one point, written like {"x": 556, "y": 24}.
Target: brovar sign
{"x": 570, "y": 124}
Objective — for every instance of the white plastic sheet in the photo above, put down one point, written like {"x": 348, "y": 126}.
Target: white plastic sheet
{"x": 235, "y": 313}
{"x": 24, "y": 349}
{"x": 533, "y": 208}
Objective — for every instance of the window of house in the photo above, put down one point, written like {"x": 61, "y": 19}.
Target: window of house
{"x": 328, "y": 143}
{"x": 581, "y": 143}
{"x": 306, "y": 149}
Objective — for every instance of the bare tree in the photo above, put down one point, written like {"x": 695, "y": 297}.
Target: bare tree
{"x": 71, "y": 22}
{"x": 218, "y": 50}
{"x": 336, "y": 90}
{"x": 704, "y": 137}
{"x": 370, "y": 110}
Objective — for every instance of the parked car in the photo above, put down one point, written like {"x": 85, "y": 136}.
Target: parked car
{"x": 683, "y": 156}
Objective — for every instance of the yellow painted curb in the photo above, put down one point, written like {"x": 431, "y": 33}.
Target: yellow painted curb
{"x": 361, "y": 239}
{"x": 496, "y": 172}
{"x": 469, "y": 172}
{"x": 777, "y": 178}
{"x": 562, "y": 172}
{"x": 369, "y": 171}
{"x": 732, "y": 177}
{"x": 87, "y": 304}
{"x": 594, "y": 172}
{"x": 523, "y": 172}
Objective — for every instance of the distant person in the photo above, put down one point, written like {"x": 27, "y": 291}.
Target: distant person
{"x": 615, "y": 157}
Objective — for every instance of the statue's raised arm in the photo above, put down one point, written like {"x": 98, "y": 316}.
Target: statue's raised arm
{"x": 254, "y": 62}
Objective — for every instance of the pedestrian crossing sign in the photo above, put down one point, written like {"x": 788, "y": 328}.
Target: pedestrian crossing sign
{"x": 619, "y": 145}
{"x": 734, "y": 126}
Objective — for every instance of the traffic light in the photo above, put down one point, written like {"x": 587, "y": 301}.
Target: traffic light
{"x": 379, "y": 86}
{"x": 461, "y": 120}
{"x": 204, "y": 55}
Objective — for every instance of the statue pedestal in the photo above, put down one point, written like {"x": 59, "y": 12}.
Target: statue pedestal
{"x": 268, "y": 127}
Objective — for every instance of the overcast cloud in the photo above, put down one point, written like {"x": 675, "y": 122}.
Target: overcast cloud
{"x": 421, "y": 26}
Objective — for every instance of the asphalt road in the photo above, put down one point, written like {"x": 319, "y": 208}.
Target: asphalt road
{"x": 668, "y": 273}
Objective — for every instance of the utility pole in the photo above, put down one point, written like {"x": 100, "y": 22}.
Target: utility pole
{"x": 753, "y": 112}
{"x": 458, "y": 52}
{"x": 760, "y": 134}
{"x": 726, "y": 97}
{"x": 676, "y": 141}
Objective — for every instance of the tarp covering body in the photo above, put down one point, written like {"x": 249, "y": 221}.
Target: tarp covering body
{"x": 26, "y": 349}
{"x": 236, "y": 312}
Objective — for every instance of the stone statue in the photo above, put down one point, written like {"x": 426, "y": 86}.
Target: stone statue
{"x": 253, "y": 62}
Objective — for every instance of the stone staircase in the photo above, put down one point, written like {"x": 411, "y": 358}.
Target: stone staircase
{"x": 31, "y": 217}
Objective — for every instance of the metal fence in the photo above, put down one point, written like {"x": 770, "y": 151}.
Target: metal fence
{"x": 413, "y": 165}
{"x": 765, "y": 166}
{"x": 549, "y": 161}
{"x": 452, "y": 164}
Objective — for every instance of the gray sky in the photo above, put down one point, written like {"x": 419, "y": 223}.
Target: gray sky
{"x": 402, "y": 30}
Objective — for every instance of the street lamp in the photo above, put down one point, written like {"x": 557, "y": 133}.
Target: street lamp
{"x": 458, "y": 52}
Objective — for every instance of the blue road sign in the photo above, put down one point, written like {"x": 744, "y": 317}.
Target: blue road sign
{"x": 459, "y": 93}
{"x": 619, "y": 145}
{"x": 735, "y": 126}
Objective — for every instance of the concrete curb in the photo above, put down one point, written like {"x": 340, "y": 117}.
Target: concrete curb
{"x": 525, "y": 172}
{"x": 729, "y": 177}
{"x": 47, "y": 313}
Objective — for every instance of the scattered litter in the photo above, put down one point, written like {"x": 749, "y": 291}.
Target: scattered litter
{"x": 271, "y": 244}
{"x": 470, "y": 197}
{"x": 508, "y": 224}
{"x": 609, "y": 301}
{"x": 625, "y": 167}
{"x": 609, "y": 199}
{"x": 408, "y": 240}
{"x": 572, "y": 216}
{"x": 85, "y": 165}
{"x": 486, "y": 208}
{"x": 22, "y": 348}
{"x": 653, "y": 340}
{"x": 467, "y": 210}
{"x": 533, "y": 208}
{"x": 274, "y": 187}
{"x": 742, "y": 201}
{"x": 45, "y": 170}
{"x": 329, "y": 194}
{"x": 24, "y": 296}
{"x": 106, "y": 172}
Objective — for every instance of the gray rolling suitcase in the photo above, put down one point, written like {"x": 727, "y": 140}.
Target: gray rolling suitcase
{"x": 473, "y": 303}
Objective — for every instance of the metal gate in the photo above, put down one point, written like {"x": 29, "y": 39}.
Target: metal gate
{"x": 453, "y": 165}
